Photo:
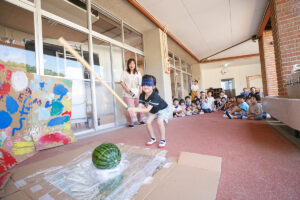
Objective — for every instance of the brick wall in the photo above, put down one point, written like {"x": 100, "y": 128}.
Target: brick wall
{"x": 263, "y": 68}
{"x": 285, "y": 20}
{"x": 268, "y": 66}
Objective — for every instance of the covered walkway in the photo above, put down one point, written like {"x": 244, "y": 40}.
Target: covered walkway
{"x": 257, "y": 162}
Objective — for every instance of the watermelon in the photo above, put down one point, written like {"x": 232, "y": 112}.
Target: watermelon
{"x": 106, "y": 156}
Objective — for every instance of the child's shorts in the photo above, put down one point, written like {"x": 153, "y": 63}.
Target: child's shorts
{"x": 258, "y": 117}
{"x": 164, "y": 114}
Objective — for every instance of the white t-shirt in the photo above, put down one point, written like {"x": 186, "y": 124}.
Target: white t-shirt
{"x": 177, "y": 108}
{"x": 210, "y": 101}
{"x": 133, "y": 82}
{"x": 194, "y": 87}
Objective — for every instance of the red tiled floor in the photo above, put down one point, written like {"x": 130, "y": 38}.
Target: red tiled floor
{"x": 257, "y": 163}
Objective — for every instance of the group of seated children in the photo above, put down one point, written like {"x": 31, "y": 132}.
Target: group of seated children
{"x": 244, "y": 106}
{"x": 241, "y": 109}
{"x": 204, "y": 104}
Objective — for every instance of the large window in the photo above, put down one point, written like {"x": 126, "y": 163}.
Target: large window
{"x": 59, "y": 62}
{"x": 92, "y": 105}
{"x": 72, "y": 10}
{"x": 180, "y": 75}
{"x": 106, "y": 24}
{"x": 132, "y": 37}
{"x": 17, "y": 47}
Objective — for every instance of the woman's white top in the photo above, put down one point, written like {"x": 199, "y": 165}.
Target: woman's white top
{"x": 133, "y": 82}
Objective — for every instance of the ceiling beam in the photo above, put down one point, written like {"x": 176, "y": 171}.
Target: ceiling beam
{"x": 135, "y": 4}
{"x": 230, "y": 58}
{"x": 264, "y": 21}
{"x": 202, "y": 60}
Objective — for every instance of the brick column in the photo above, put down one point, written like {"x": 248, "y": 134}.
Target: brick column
{"x": 268, "y": 66}
{"x": 285, "y": 20}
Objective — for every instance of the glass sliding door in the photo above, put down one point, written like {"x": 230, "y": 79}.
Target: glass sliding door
{"x": 59, "y": 62}
{"x": 104, "y": 99}
{"x": 117, "y": 63}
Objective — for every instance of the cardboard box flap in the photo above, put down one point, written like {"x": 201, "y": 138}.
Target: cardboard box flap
{"x": 200, "y": 161}
{"x": 9, "y": 189}
{"x": 184, "y": 182}
{"x": 194, "y": 177}
{"x": 17, "y": 195}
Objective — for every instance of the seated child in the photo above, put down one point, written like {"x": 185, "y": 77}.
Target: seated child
{"x": 218, "y": 104}
{"x": 202, "y": 96}
{"x": 194, "y": 109}
{"x": 211, "y": 100}
{"x": 255, "y": 112}
{"x": 206, "y": 106}
{"x": 185, "y": 111}
{"x": 223, "y": 103}
{"x": 177, "y": 111}
{"x": 240, "y": 111}
{"x": 198, "y": 104}
{"x": 187, "y": 101}
{"x": 222, "y": 94}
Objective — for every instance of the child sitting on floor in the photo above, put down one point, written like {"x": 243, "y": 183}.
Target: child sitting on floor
{"x": 222, "y": 94}
{"x": 194, "y": 109}
{"x": 177, "y": 111}
{"x": 223, "y": 103}
{"x": 205, "y": 106}
{"x": 210, "y": 101}
{"x": 187, "y": 101}
{"x": 185, "y": 111}
{"x": 255, "y": 112}
{"x": 198, "y": 104}
{"x": 218, "y": 104}
{"x": 240, "y": 111}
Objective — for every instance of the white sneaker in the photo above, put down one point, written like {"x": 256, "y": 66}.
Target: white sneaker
{"x": 162, "y": 144}
{"x": 151, "y": 141}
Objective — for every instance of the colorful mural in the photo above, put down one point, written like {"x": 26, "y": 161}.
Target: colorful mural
{"x": 35, "y": 113}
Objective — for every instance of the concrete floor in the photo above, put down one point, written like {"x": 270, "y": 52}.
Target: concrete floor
{"x": 257, "y": 162}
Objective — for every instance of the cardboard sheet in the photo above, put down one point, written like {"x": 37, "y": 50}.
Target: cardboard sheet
{"x": 9, "y": 189}
{"x": 17, "y": 195}
{"x": 33, "y": 180}
{"x": 194, "y": 177}
{"x": 191, "y": 177}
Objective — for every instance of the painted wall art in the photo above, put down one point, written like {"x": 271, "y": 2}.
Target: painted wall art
{"x": 35, "y": 114}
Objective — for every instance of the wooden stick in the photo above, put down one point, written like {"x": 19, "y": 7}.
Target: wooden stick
{"x": 88, "y": 67}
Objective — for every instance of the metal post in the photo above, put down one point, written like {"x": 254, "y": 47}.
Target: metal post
{"x": 38, "y": 36}
{"x": 113, "y": 86}
{"x": 91, "y": 61}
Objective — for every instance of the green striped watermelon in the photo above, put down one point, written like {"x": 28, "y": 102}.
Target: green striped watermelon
{"x": 106, "y": 156}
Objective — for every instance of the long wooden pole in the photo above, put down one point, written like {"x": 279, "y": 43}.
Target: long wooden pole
{"x": 88, "y": 67}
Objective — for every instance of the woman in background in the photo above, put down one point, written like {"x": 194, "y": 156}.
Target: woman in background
{"x": 131, "y": 81}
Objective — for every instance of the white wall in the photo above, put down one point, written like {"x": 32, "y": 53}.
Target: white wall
{"x": 211, "y": 76}
{"x": 155, "y": 63}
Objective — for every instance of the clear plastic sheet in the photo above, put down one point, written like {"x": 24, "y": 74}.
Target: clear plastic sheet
{"x": 81, "y": 180}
